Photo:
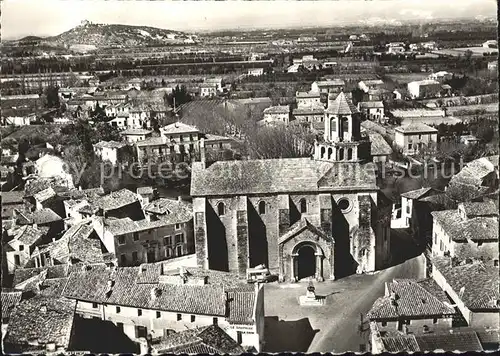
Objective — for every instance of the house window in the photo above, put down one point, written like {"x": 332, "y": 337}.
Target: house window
{"x": 221, "y": 209}
{"x": 158, "y": 315}
{"x": 495, "y": 263}
{"x": 409, "y": 146}
{"x": 435, "y": 321}
{"x": 215, "y": 321}
{"x": 121, "y": 240}
{"x": 134, "y": 256}
{"x": 168, "y": 252}
{"x": 384, "y": 323}
{"x": 167, "y": 240}
{"x": 141, "y": 331}
{"x": 262, "y": 207}
{"x": 136, "y": 236}
{"x": 21, "y": 247}
{"x": 479, "y": 243}
{"x": 118, "y": 310}
{"x": 221, "y": 146}
{"x": 179, "y": 238}
{"x": 303, "y": 205}
{"x": 139, "y": 312}
{"x": 94, "y": 305}
{"x": 119, "y": 326}
{"x": 193, "y": 318}
{"x": 179, "y": 317}
{"x": 177, "y": 226}
{"x": 123, "y": 259}
{"x": 179, "y": 251}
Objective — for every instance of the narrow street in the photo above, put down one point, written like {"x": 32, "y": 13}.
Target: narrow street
{"x": 332, "y": 327}
{"x": 342, "y": 334}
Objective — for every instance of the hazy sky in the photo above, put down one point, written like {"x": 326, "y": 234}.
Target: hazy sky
{"x": 51, "y": 17}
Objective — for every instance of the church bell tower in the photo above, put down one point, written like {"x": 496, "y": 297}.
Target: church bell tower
{"x": 342, "y": 140}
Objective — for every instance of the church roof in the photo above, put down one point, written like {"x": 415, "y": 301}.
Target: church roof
{"x": 278, "y": 176}
{"x": 341, "y": 106}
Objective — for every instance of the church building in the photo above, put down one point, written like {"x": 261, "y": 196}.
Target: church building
{"x": 320, "y": 217}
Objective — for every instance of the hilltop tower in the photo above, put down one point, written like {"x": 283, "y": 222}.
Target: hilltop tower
{"x": 342, "y": 141}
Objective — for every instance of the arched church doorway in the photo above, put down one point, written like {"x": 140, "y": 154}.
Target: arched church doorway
{"x": 306, "y": 262}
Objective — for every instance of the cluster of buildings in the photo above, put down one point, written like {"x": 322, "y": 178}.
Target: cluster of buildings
{"x": 122, "y": 257}
{"x": 457, "y": 305}
{"x": 166, "y": 272}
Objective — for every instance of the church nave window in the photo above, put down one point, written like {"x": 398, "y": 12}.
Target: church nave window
{"x": 262, "y": 207}
{"x": 303, "y": 206}
{"x": 221, "y": 209}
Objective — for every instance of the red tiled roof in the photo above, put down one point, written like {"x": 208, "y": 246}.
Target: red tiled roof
{"x": 205, "y": 340}
{"x": 241, "y": 304}
{"x": 9, "y": 301}
{"x": 412, "y": 299}
{"x": 342, "y": 106}
{"x": 92, "y": 286}
{"x": 480, "y": 282}
{"x": 42, "y": 319}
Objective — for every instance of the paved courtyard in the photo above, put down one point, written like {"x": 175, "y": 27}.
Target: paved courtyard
{"x": 333, "y": 327}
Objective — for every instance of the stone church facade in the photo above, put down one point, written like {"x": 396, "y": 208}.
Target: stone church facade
{"x": 318, "y": 217}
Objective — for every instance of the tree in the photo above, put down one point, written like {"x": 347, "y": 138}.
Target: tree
{"x": 357, "y": 95}
{"x": 98, "y": 114}
{"x": 179, "y": 95}
{"x": 52, "y": 97}
{"x": 279, "y": 142}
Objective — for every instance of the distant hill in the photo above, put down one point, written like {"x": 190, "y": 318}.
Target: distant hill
{"x": 100, "y": 35}
{"x": 30, "y": 39}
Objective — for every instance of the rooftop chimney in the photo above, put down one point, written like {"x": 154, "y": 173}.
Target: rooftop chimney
{"x": 203, "y": 158}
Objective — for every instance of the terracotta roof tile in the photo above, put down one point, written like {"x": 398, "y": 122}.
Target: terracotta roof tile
{"x": 480, "y": 282}
{"x": 28, "y": 235}
{"x": 475, "y": 229}
{"x": 209, "y": 340}
{"x": 476, "y": 209}
{"x": 241, "y": 305}
{"x": 116, "y": 200}
{"x": 40, "y": 217}
{"x": 403, "y": 343}
{"x": 211, "y": 299}
{"x": 45, "y": 194}
{"x": 43, "y": 319}
{"x": 417, "y": 193}
{"x": 178, "y": 128}
{"x": 170, "y": 206}
{"x": 23, "y": 274}
{"x": 416, "y": 128}
{"x": 456, "y": 341}
{"x": 14, "y": 197}
{"x": 412, "y": 299}
{"x": 109, "y": 144}
{"x": 379, "y": 145}
{"x": 9, "y": 301}
{"x": 342, "y": 106}
{"x": 277, "y": 175}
